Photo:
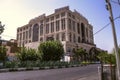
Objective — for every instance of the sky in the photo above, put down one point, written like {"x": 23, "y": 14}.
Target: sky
{"x": 16, "y": 13}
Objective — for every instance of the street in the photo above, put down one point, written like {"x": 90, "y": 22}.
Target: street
{"x": 89, "y": 72}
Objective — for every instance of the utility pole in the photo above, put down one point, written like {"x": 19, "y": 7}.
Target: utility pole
{"x": 109, "y": 8}
{"x": 119, "y": 2}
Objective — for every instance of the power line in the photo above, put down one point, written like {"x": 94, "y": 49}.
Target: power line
{"x": 105, "y": 26}
{"x": 118, "y": 2}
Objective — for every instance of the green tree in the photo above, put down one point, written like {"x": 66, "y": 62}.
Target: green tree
{"x": 27, "y": 55}
{"x": 1, "y": 28}
{"x": 93, "y": 53}
{"x": 113, "y": 53}
{"x": 3, "y": 54}
{"x": 111, "y": 59}
{"x": 80, "y": 54}
{"x": 107, "y": 58}
{"x": 103, "y": 56}
{"x": 51, "y": 50}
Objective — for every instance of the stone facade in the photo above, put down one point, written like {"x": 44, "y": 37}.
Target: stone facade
{"x": 69, "y": 27}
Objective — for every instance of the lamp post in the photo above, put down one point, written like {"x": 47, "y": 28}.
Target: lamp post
{"x": 109, "y": 8}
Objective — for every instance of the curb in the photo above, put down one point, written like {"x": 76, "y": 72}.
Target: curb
{"x": 36, "y": 68}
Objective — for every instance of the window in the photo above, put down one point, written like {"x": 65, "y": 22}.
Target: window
{"x": 69, "y": 14}
{"x": 57, "y": 36}
{"x": 52, "y": 18}
{"x": 47, "y": 28}
{"x": 57, "y": 25}
{"x": 83, "y": 32}
{"x": 41, "y": 29}
{"x": 41, "y": 39}
{"x": 79, "y": 39}
{"x": 73, "y": 16}
{"x": 70, "y": 37}
{"x": 35, "y": 33}
{"x": 86, "y": 32}
{"x": 63, "y": 23}
{"x": 57, "y": 16}
{"x": 52, "y": 27}
{"x": 29, "y": 32}
{"x": 20, "y": 36}
{"x": 23, "y": 35}
{"x": 74, "y": 38}
{"x": 41, "y": 21}
{"x": 17, "y": 36}
{"x": 63, "y": 36}
{"x": 69, "y": 24}
{"x": 17, "y": 30}
{"x": 73, "y": 25}
{"x": 62, "y": 14}
{"x": 68, "y": 49}
{"x": 29, "y": 41}
{"x": 26, "y": 34}
{"x": 21, "y": 29}
{"x": 78, "y": 28}
{"x": 26, "y": 27}
{"x": 50, "y": 38}
{"x": 47, "y": 20}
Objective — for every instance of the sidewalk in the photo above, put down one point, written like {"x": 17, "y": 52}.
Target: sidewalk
{"x": 90, "y": 77}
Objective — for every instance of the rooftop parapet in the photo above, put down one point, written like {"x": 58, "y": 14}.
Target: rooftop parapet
{"x": 37, "y": 18}
{"x": 76, "y": 12}
{"x": 63, "y": 8}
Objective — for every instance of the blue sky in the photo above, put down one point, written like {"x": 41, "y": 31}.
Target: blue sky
{"x": 16, "y": 13}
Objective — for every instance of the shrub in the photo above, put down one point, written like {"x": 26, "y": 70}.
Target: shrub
{"x": 51, "y": 50}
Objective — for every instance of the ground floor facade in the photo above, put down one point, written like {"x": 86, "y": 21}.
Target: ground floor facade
{"x": 68, "y": 48}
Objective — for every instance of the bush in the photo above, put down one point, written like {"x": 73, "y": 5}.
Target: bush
{"x": 30, "y": 64}
{"x": 51, "y": 50}
{"x": 28, "y": 55}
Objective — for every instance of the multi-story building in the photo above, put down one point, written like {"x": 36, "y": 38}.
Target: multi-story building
{"x": 69, "y": 27}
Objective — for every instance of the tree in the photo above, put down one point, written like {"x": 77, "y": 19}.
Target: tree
{"x": 107, "y": 58}
{"x": 113, "y": 53}
{"x": 93, "y": 53}
{"x": 27, "y": 55}
{"x": 1, "y": 28}
{"x": 3, "y": 54}
{"x": 51, "y": 50}
{"x": 80, "y": 54}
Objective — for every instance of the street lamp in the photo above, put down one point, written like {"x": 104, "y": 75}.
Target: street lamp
{"x": 109, "y": 8}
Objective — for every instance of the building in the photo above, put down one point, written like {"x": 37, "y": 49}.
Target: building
{"x": 69, "y": 27}
{"x": 11, "y": 47}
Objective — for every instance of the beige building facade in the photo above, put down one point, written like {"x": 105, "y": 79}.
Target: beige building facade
{"x": 69, "y": 27}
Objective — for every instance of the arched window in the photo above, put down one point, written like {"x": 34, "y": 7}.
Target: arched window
{"x": 35, "y": 33}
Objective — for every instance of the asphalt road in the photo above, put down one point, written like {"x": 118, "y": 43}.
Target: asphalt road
{"x": 89, "y": 72}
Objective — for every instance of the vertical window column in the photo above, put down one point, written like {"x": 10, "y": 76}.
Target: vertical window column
{"x": 47, "y": 28}
{"x": 69, "y": 24}
{"x": 41, "y": 29}
{"x": 63, "y": 23}
{"x": 63, "y": 37}
{"x": 52, "y": 27}
{"x": 57, "y": 25}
